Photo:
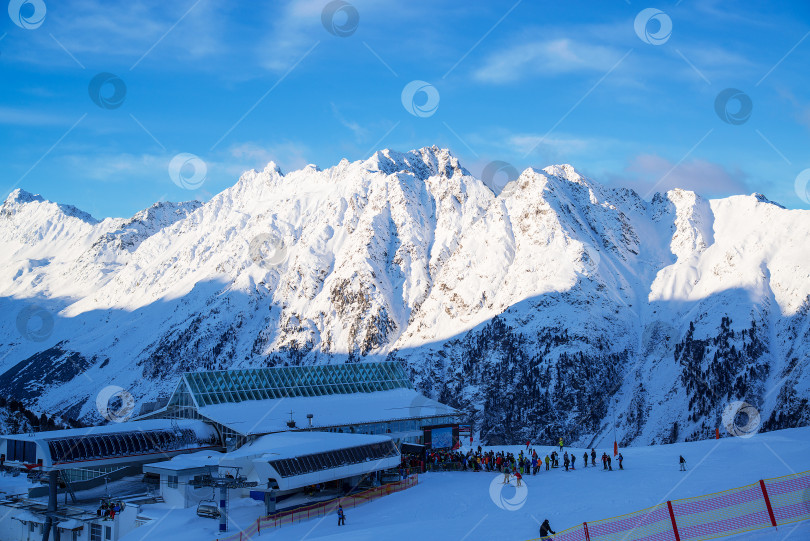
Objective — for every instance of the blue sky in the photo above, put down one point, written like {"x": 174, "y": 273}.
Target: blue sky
{"x": 530, "y": 83}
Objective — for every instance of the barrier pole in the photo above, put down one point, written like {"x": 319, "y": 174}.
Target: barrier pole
{"x": 674, "y": 524}
{"x": 587, "y": 534}
{"x": 767, "y": 502}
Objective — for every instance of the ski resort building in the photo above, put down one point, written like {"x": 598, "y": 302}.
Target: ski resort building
{"x": 357, "y": 398}
{"x": 260, "y": 433}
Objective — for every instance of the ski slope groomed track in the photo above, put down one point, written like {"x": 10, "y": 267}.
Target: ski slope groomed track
{"x": 463, "y": 506}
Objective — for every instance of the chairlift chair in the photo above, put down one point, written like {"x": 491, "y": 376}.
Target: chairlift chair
{"x": 208, "y": 508}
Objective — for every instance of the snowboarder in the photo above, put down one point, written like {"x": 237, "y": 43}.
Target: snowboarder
{"x": 341, "y": 516}
{"x": 683, "y": 463}
{"x": 593, "y": 457}
{"x": 565, "y": 461}
{"x": 545, "y": 529}
{"x": 561, "y": 445}
{"x": 548, "y": 462}
{"x": 621, "y": 458}
{"x": 585, "y": 458}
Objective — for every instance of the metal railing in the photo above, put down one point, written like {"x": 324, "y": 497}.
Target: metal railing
{"x": 276, "y": 520}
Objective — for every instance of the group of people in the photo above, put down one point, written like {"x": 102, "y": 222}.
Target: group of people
{"x": 108, "y": 510}
{"x": 528, "y": 463}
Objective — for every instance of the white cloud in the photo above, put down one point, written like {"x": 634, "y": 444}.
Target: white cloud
{"x": 28, "y": 117}
{"x": 358, "y": 130}
{"x": 537, "y": 144}
{"x": 650, "y": 173}
{"x": 545, "y": 57}
{"x": 249, "y": 155}
{"x": 88, "y": 29}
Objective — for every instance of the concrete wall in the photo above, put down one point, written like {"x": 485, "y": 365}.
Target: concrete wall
{"x": 184, "y": 495}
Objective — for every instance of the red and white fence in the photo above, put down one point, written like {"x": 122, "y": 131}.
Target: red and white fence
{"x": 766, "y": 504}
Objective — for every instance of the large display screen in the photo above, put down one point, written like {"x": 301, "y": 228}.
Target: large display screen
{"x": 442, "y": 438}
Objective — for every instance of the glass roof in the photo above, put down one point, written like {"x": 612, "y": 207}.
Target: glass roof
{"x": 229, "y": 386}
{"x": 100, "y": 446}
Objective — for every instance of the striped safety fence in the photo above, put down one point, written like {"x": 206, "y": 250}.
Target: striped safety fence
{"x": 768, "y": 503}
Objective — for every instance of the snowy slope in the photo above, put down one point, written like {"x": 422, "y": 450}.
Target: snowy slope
{"x": 458, "y": 505}
{"x": 542, "y": 310}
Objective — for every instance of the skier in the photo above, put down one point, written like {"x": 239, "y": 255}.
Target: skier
{"x": 561, "y": 445}
{"x": 565, "y": 461}
{"x": 610, "y": 463}
{"x": 621, "y": 458}
{"x": 585, "y": 458}
{"x": 341, "y": 516}
{"x": 593, "y": 457}
{"x": 518, "y": 477}
{"x": 505, "y": 476}
{"x": 683, "y": 463}
{"x": 573, "y": 461}
{"x": 604, "y": 461}
{"x": 548, "y": 462}
{"x": 545, "y": 528}
{"x": 527, "y": 444}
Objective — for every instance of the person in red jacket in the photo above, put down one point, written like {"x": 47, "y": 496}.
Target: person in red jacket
{"x": 518, "y": 477}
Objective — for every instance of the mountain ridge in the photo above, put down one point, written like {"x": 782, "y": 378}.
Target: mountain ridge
{"x": 538, "y": 311}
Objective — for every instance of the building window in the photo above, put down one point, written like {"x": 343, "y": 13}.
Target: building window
{"x": 172, "y": 481}
{"x": 108, "y": 533}
{"x": 95, "y": 532}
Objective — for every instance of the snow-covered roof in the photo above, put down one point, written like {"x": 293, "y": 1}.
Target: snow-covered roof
{"x": 266, "y": 416}
{"x": 118, "y": 443}
{"x": 71, "y": 524}
{"x": 294, "y": 444}
{"x": 24, "y": 515}
{"x": 301, "y": 458}
{"x": 191, "y": 461}
{"x": 201, "y": 429}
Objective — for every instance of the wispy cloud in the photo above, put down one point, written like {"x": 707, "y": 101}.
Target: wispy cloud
{"x": 28, "y": 117}
{"x": 358, "y": 130}
{"x": 645, "y": 171}
{"x": 545, "y": 57}
{"x": 250, "y": 155}
{"x": 92, "y": 29}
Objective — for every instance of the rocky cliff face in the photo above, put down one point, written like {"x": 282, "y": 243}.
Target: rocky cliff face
{"x": 545, "y": 310}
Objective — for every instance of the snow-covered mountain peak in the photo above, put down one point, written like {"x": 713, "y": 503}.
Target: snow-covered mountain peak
{"x": 564, "y": 171}
{"x": 20, "y": 200}
{"x": 540, "y": 295}
{"x": 422, "y": 163}
{"x": 20, "y": 196}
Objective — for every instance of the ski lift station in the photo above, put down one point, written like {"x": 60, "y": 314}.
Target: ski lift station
{"x": 266, "y": 434}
